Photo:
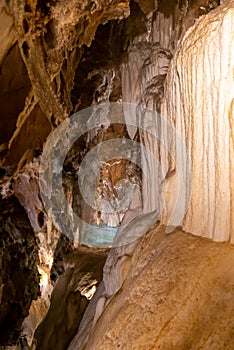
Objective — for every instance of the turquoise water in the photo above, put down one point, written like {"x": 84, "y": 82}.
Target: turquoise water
{"x": 99, "y": 235}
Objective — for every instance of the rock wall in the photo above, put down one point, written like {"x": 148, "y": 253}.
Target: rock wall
{"x": 143, "y": 74}
{"x": 51, "y": 37}
{"x": 19, "y": 278}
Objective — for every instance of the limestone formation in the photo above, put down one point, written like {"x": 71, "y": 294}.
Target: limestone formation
{"x": 199, "y": 103}
{"x": 112, "y": 305}
{"x": 173, "y": 60}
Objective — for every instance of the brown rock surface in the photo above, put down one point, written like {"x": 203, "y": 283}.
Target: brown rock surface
{"x": 179, "y": 294}
{"x": 51, "y": 36}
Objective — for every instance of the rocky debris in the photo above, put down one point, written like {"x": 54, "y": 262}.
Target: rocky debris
{"x": 19, "y": 277}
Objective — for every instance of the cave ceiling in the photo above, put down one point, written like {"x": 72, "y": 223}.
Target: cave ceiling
{"x": 49, "y": 51}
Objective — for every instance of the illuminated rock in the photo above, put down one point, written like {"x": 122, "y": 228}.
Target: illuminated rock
{"x": 199, "y": 104}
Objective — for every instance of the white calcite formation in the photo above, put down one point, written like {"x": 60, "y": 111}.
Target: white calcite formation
{"x": 142, "y": 76}
{"x": 198, "y": 108}
{"x": 199, "y": 104}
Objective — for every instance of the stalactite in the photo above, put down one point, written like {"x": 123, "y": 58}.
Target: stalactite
{"x": 143, "y": 75}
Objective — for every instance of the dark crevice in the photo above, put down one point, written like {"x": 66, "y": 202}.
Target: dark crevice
{"x": 15, "y": 86}
{"x": 25, "y": 48}
{"x": 108, "y": 50}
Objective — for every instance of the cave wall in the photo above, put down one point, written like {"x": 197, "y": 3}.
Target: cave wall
{"x": 51, "y": 36}
{"x": 70, "y": 297}
{"x": 49, "y": 50}
{"x": 143, "y": 73}
{"x": 69, "y": 55}
{"x": 38, "y": 58}
{"x": 198, "y": 103}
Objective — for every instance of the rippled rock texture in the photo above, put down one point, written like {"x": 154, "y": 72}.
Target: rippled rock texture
{"x": 199, "y": 103}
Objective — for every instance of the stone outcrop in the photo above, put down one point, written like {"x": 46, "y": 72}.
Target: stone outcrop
{"x": 51, "y": 36}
